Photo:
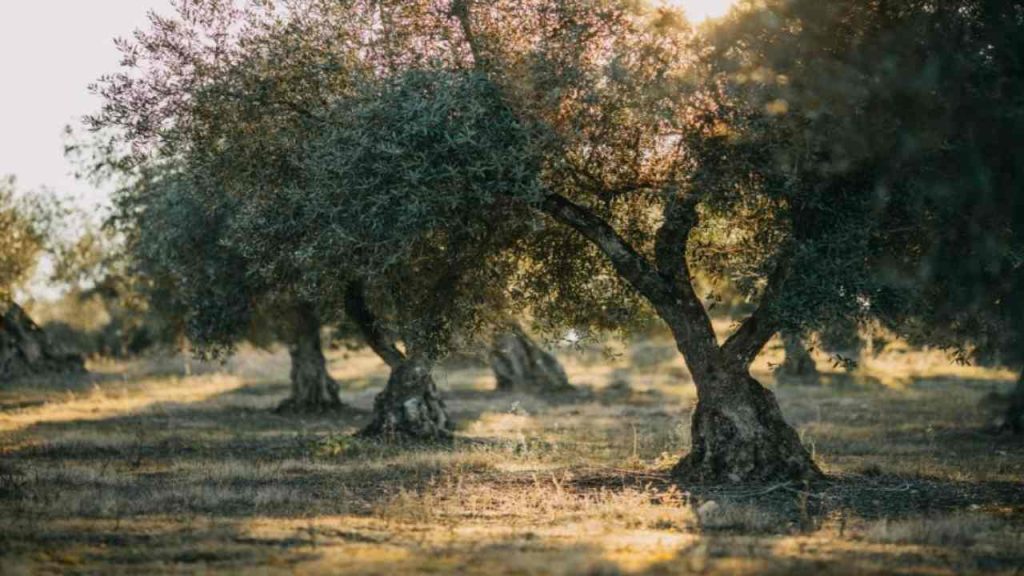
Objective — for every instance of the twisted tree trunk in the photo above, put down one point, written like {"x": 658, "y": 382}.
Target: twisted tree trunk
{"x": 798, "y": 363}
{"x": 738, "y": 434}
{"x": 520, "y": 365}
{"x": 738, "y": 431}
{"x": 313, "y": 389}
{"x": 409, "y": 407}
{"x": 25, "y": 349}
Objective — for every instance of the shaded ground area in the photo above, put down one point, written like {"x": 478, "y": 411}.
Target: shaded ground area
{"x": 158, "y": 467}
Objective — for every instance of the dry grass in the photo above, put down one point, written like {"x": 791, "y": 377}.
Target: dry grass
{"x": 160, "y": 467}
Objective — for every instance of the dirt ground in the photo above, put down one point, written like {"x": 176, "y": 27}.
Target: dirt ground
{"x": 164, "y": 467}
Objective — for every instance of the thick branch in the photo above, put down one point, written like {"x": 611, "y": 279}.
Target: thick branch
{"x": 746, "y": 343}
{"x": 460, "y": 9}
{"x": 671, "y": 242}
{"x": 633, "y": 267}
{"x": 376, "y": 337}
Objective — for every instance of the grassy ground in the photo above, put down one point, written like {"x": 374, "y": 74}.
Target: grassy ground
{"x": 142, "y": 469}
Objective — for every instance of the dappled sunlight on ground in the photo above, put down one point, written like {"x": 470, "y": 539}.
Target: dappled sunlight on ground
{"x": 103, "y": 402}
{"x": 142, "y": 468}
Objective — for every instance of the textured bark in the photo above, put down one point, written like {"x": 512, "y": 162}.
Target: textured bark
{"x": 25, "y": 349}
{"x": 313, "y": 389}
{"x": 409, "y": 407}
{"x": 798, "y": 363}
{"x": 520, "y": 365}
{"x": 1015, "y": 412}
{"x": 738, "y": 434}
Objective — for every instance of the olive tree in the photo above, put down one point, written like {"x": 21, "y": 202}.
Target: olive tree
{"x": 26, "y": 232}
{"x": 612, "y": 93}
{"x": 211, "y": 107}
{"x": 176, "y": 247}
{"x": 264, "y": 112}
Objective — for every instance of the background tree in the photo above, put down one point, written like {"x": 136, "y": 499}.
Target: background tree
{"x": 175, "y": 240}
{"x": 261, "y": 126}
{"x": 26, "y": 230}
{"x": 522, "y": 365}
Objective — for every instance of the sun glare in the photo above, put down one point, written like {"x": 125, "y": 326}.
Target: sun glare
{"x": 698, "y": 11}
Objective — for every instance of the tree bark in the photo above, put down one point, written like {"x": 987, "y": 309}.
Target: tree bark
{"x": 1015, "y": 412}
{"x": 798, "y": 364}
{"x": 410, "y": 407}
{"x": 313, "y": 389}
{"x": 520, "y": 365}
{"x": 26, "y": 350}
{"x": 738, "y": 434}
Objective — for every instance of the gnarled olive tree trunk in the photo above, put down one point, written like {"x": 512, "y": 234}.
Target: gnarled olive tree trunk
{"x": 798, "y": 363}
{"x": 409, "y": 407}
{"x": 313, "y": 389}
{"x": 520, "y": 365}
{"x": 25, "y": 349}
{"x": 1015, "y": 412}
{"x": 738, "y": 432}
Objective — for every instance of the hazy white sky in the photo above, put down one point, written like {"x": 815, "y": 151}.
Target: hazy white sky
{"x": 700, "y": 10}
{"x": 50, "y": 50}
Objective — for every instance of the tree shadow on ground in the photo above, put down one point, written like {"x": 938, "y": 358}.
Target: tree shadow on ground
{"x": 794, "y": 506}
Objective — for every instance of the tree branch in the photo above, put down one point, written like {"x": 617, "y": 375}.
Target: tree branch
{"x": 461, "y": 10}
{"x": 632, "y": 266}
{"x": 670, "y": 245}
{"x": 378, "y": 339}
{"x": 746, "y": 343}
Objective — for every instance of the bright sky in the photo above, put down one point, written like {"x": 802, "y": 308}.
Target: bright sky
{"x": 50, "y": 50}
{"x": 700, "y": 10}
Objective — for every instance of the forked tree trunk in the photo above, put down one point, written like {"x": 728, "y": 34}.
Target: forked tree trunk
{"x": 520, "y": 365}
{"x": 313, "y": 389}
{"x": 25, "y": 349}
{"x": 738, "y": 434}
{"x": 738, "y": 431}
{"x": 1015, "y": 413}
{"x": 798, "y": 363}
{"x": 409, "y": 407}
